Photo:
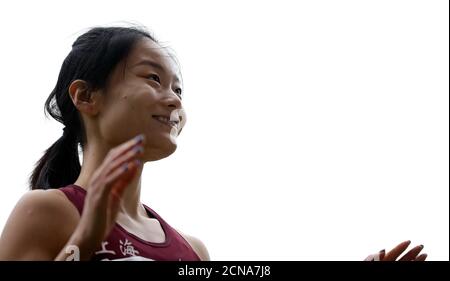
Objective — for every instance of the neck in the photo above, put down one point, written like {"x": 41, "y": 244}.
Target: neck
{"x": 93, "y": 157}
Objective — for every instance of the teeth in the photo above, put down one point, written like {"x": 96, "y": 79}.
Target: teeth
{"x": 166, "y": 120}
{"x": 162, "y": 118}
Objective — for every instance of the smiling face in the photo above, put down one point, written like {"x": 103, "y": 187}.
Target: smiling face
{"x": 143, "y": 95}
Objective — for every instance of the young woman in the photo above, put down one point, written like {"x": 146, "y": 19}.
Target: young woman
{"x": 119, "y": 95}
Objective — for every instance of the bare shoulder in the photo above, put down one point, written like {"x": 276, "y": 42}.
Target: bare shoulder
{"x": 198, "y": 246}
{"x": 50, "y": 203}
{"x": 38, "y": 226}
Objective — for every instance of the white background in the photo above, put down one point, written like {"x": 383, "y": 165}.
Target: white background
{"x": 317, "y": 130}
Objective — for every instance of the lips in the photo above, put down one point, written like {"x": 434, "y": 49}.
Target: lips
{"x": 166, "y": 120}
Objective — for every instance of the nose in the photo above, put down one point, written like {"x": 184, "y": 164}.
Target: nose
{"x": 173, "y": 101}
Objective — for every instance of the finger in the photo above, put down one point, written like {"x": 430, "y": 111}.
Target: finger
{"x": 119, "y": 154}
{"x": 382, "y": 254}
{"x": 397, "y": 251}
{"x": 369, "y": 258}
{"x": 123, "y": 181}
{"x": 124, "y": 147}
{"x": 118, "y": 187}
{"x": 134, "y": 152}
{"x": 421, "y": 257}
{"x": 114, "y": 181}
{"x": 412, "y": 254}
{"x": 379, "y": 256}
{"x": 376, "y": 257}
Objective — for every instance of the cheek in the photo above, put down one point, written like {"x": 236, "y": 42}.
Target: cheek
{"x": 136, "y": 97}
{"x": 135, "y": 111}
{"x": 124, "y": 119}
{"x": 131, "y": 110}
{"x": 140, "y": 92}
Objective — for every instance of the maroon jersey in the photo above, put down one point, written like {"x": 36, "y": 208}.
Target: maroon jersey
{"x": 123, "y": 245}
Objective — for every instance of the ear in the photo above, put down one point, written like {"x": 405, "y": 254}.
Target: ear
{"x": 83, "y": 98}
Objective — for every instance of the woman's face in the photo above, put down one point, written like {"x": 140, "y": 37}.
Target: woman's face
{"x": 142, "y": 95}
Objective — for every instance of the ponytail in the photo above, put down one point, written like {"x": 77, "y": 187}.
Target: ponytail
{"x": 60, "y": 164}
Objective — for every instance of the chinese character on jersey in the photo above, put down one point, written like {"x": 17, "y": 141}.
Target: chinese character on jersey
{"x": 127, "y": 248}
{"x": 104, "y": 250}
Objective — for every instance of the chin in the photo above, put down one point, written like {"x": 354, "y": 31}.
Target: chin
{"x": 161, "y": 152}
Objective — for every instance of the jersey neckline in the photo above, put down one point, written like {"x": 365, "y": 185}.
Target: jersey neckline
{"x": 150, "y": 214}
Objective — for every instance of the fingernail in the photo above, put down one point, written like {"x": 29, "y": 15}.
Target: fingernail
{"x": 382, "y": 251}
{"x": 138, "y": 149}
{"x": 140, "y": 138}
{"x": 421, "y": 246}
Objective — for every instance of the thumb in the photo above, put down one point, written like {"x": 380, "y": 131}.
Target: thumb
{"x": 382, "y": 254}
{"x": 369, "y": 258}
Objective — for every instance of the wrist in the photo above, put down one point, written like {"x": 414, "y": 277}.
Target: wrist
{"x": 83, "y": 244}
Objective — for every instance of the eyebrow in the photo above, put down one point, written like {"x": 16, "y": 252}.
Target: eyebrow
{"x": 155, "y": 65}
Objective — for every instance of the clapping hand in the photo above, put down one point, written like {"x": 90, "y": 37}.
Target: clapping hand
{"x": 392, "y": 255}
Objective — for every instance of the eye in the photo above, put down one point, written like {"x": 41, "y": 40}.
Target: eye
{"x": 178, "y": 91}
{"x": 154, "y": 76}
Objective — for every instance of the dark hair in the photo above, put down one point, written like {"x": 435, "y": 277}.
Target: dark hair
{"x": 93, "y": 57}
